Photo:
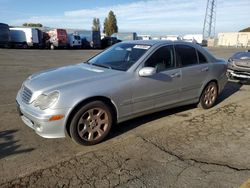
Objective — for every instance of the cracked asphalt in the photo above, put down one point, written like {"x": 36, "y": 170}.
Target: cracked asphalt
{"x": 181, "y": 147}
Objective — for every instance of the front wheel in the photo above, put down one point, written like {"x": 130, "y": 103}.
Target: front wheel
{"x": 209, "y": 96}
{"x": 91, "y": 123}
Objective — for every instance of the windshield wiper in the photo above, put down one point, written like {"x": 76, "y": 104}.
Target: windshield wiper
{"x": 102, "y": 65}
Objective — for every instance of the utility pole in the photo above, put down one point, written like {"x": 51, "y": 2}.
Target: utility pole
{"x": 210, "y": 19}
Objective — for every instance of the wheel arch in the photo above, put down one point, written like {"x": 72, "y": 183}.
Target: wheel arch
{"x": 104, "y": 99}
{"x": 205, "y": 85}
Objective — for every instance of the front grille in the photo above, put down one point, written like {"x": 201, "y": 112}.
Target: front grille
{"x": 245, "y": 63}
{"x": 26, "y": 95}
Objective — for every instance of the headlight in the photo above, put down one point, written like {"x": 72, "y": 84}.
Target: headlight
{"x": 45, "y": 101}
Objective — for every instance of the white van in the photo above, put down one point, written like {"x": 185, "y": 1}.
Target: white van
{"x": 74, "y": 41}
{"x": 24, "y": 37}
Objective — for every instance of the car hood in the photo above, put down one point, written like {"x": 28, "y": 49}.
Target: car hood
{"x": 58, "y": 77}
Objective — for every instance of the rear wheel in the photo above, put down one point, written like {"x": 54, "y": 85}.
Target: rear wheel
{"x": 209, "y": 96}
{"x": 91, "y": 123}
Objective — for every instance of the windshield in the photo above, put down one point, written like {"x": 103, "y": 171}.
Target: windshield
{"x": 119, "y": 57}
{"x": 77, "y": 37}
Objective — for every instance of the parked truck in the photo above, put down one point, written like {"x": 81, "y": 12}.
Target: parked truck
{"x": 92, "y": 37}
{"x": 4, "y": 35}
{"x": 24, "y": 37}
{"x": 58, "y": 39}
{"x": 74, "y": 41}
{"x": 89, "y": 39}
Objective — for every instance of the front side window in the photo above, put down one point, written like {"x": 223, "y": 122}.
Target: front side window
{"x": 186, "y": 55}
{"x": 119, "y": 57}
{"x": 162, "y": 59}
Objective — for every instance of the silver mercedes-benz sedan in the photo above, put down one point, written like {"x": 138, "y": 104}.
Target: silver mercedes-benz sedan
{"x": 128, "y": 80}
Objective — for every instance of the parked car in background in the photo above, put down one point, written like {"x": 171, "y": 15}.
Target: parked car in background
{"x": 74, "y": 41}
{"x": 58, "y": 39}
{"x": 24, "y": 37}
{"x": 127, "y": 80}
{"x": 4, "y": 35}
{"x": 109, "y": 41}
{"x": 239, "y": 66}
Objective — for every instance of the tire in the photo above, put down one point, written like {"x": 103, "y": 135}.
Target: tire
{"x": 89, "y": 128}
{"x": 25, "y": 46}
{"x": 208, "y": 96}
{"x": 52, "y": 47}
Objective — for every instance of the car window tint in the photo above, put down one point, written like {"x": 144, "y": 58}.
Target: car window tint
{"x": 162, "y": 59}
{"x": 186, "y": 55}
{"x": 202, "y": 58}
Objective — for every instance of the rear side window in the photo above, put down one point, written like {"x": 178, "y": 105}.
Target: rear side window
{"x": 202, "y": 58}
{"x": 185, "y": 55}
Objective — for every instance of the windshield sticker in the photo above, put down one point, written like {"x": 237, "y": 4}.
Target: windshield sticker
{"x": 144, "y": 47}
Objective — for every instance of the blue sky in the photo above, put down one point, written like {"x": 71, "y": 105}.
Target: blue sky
{"x": 141, "y": 16}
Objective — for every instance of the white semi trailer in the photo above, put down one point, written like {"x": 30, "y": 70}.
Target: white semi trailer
{"x": 24, "y": 37}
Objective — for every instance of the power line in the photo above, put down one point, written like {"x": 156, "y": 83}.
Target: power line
{"x": 210, "y": 20}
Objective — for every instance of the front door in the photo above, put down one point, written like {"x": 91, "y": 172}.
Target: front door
{"x": 160, "y": 89}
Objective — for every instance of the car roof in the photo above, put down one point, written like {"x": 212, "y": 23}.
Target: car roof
{"x": 157, "y": 42}
{"x": 147, "y": 42}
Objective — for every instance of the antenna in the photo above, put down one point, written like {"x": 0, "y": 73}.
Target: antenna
{"x": 210, "y": 19}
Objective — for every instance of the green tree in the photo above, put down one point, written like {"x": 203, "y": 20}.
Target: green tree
{"x": 110, "y": 24}
{"x": 96, "y": 24}
{"x": 105, "y": 26}
{"x": 32, "y": 25}
{"x": 245, "y": 30}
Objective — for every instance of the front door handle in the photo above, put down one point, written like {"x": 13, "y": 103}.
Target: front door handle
{"x": 175, "y": 75}
{"x": 205, "y": 69}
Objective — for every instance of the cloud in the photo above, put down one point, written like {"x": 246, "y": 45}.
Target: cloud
{"x": 155, "y": 16}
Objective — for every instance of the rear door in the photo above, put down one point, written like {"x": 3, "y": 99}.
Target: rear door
{"x": 194, "y": 67}
{"x": 35, "y": 37}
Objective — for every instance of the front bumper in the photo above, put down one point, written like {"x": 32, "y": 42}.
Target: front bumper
{"x": 38, "y": 119}
{"x": 237, "y": 74}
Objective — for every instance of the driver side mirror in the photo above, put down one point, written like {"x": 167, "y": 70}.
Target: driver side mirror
{"x": 147, "y": 71}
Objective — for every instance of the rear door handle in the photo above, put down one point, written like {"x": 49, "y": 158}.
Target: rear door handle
{"x": 175, "y": 75}
{"x": 204, "y": 69}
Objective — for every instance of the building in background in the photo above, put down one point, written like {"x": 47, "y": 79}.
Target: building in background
{"x": 234, "y": 39}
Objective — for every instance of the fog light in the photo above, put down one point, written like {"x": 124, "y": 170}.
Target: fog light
{"x": 38, "y": 127}
{"x": 56, "y": 117}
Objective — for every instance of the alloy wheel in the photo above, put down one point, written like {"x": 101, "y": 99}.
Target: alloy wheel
{"x": 93, "y": 124}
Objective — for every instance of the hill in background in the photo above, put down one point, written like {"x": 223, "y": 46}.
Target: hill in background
{"x": 245, "y": 30}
